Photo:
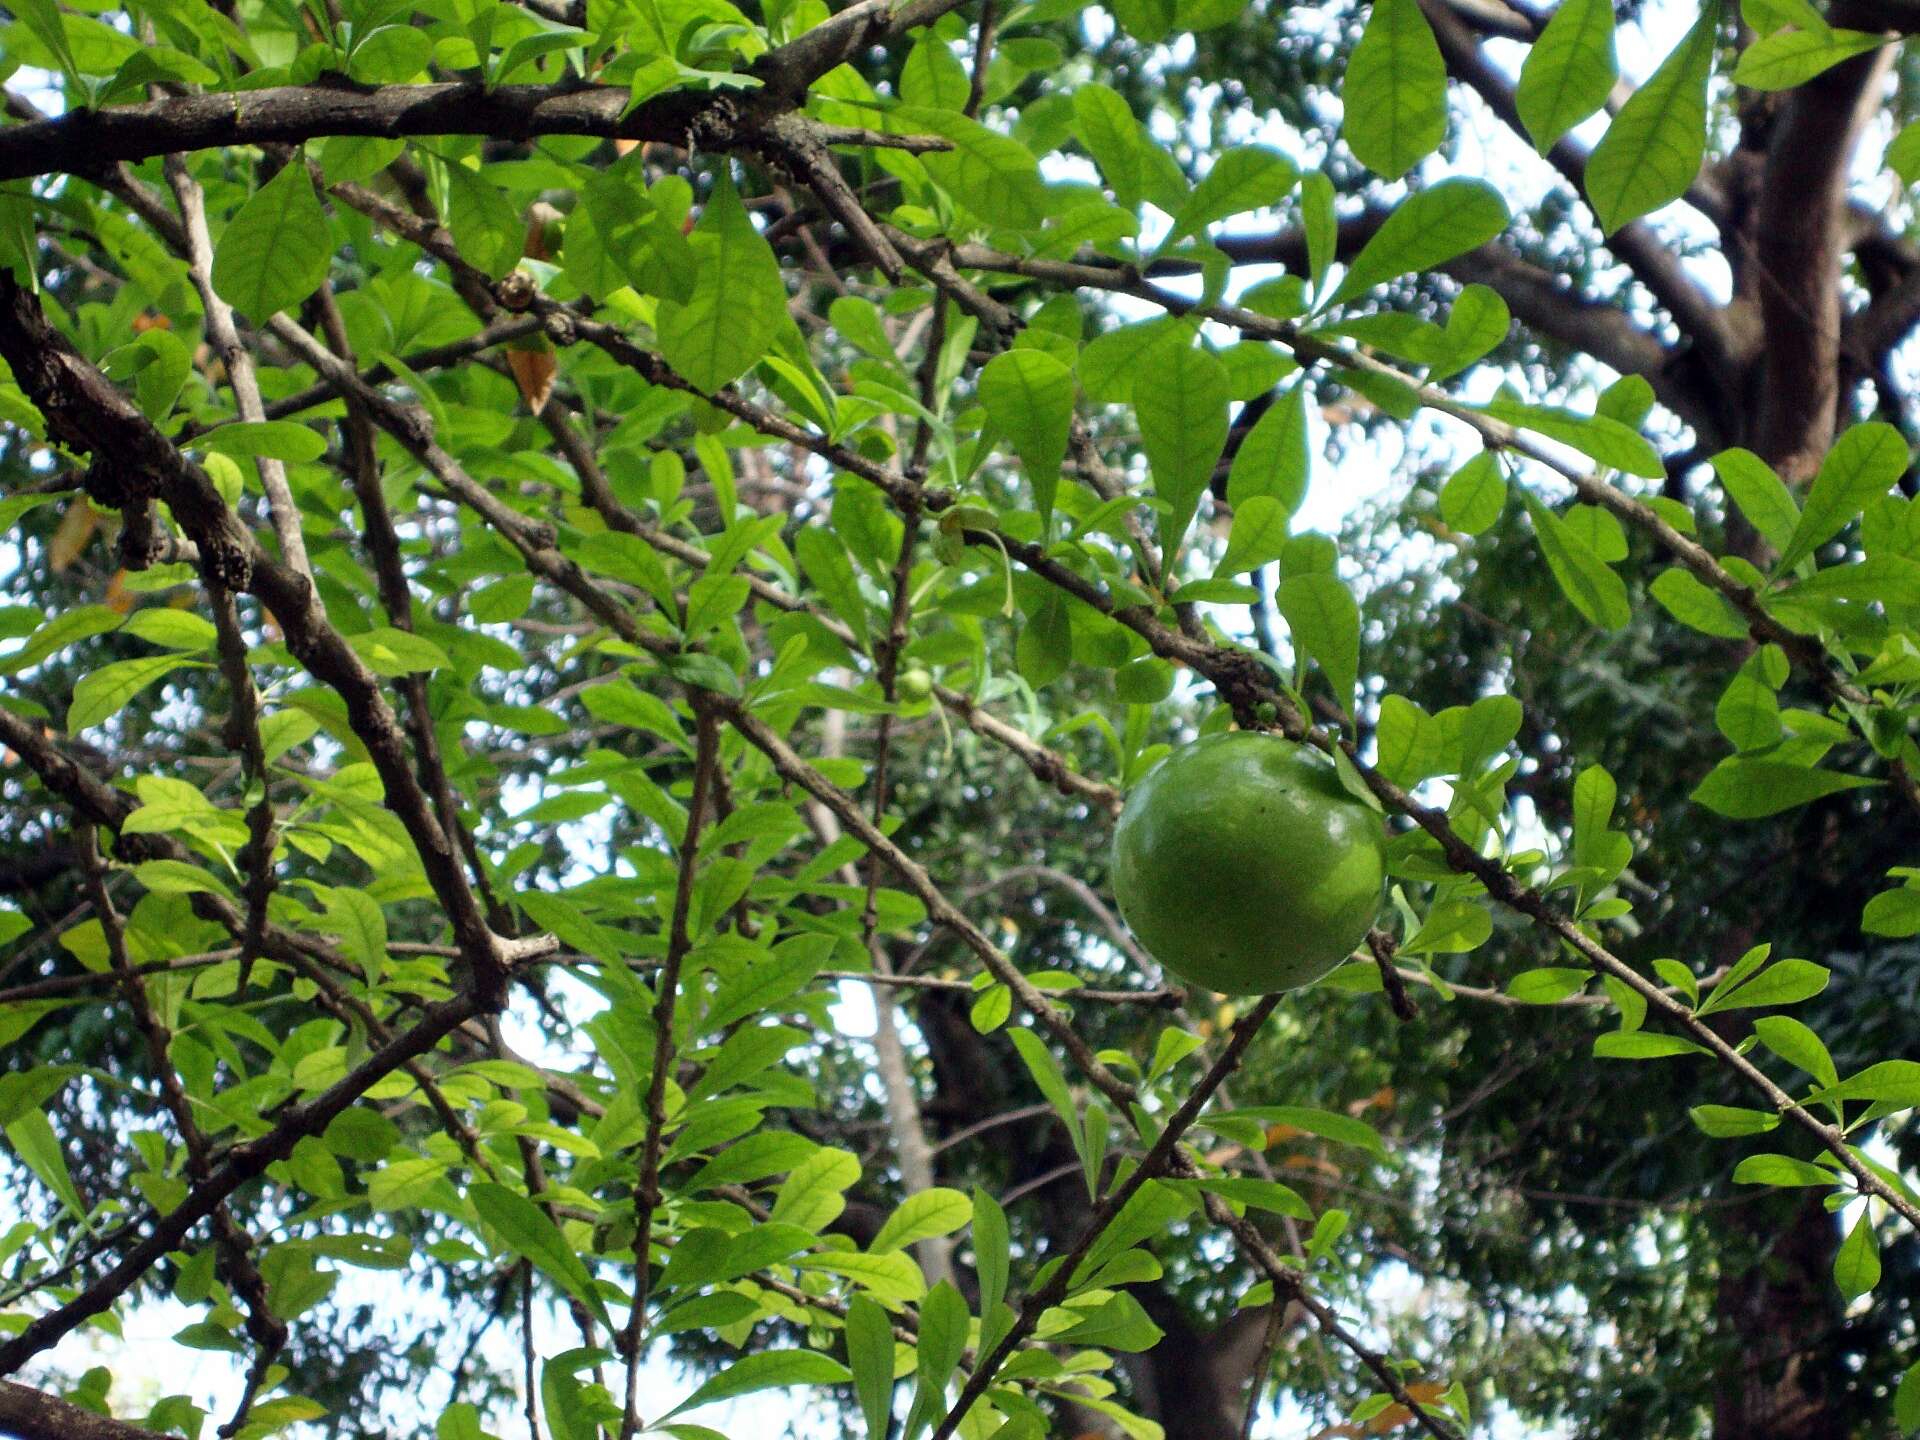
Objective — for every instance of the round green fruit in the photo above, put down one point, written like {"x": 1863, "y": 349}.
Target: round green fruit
{"x": 915, "y": 684}
{"x": 1244, "y": 865}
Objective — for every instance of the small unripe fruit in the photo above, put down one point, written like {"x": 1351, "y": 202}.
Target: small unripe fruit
{"x": 914, "y": 684}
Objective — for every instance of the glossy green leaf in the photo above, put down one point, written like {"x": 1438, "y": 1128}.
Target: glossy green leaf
{"x": 1762, "y": 497}
{"x": 767, "y": 1370}
{"x": 1395, "y": 90}
{"x": 1029, "y": 398}
{"x": 1865, "y": 462}
{"x": 870, "y": 1353}
{"x": 1569, "y": 71}
{"x": 1183, "y": 429}
{"x": 1247, "y": 177}
{"x": 1856, "y": 1266}
{"x": 1653, "y": 149}
{"x": 274, "y": 252}
{"x": 1475, "y": 495}
{"x": 1258, "y": 537}
{"x": 1274, "y": 459}
{"x": 1596, "y": 592}
{"x": 274, "y": 439}
{"x": 1427, "y": 229}
{"x": 738, "y": 301}
{"x": 101, "y": 695}
{"x": 1741, "y": 788}
{"x": 1324, "y": 620}
{"x": 923, "y": 1216}
{"x": 1788, "y": 58}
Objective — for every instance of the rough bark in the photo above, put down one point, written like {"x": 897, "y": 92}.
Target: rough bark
{"x": 1780, "y": 1313}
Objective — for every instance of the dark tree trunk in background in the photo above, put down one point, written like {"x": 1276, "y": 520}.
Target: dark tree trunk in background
{"x": 1781, "y": 1312}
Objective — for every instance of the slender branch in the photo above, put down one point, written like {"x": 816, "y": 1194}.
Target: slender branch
{"x": 243, "y": 1162}
{"x": 233, "y": 1243}
{"x": 83, "y": 140}
{"x": 1155, "y": 1162}
{"x": 646, "y": 1195}
{"x": 133, "y": 466}
{"x": 237, "y": 360}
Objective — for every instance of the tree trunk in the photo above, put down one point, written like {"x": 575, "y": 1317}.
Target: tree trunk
{"x": 1779, "y": 1313}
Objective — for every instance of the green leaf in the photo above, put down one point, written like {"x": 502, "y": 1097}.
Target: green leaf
{"x": 1183, "y": 429}
{"x": 1653, "y": 149}
{"x": 1727, "y": 1121}
{"x": 175, "y": 629}
{"x": 1786, "y": 983}
{"x": 1596, "y": 592}
{"x": 1762, "y": 497}
{"x": 933, "y": 77}
{"x": 938, "y": 1211}
{"x": 991, "y": 1249}
{"x": 274, "y": 439}
{"x": 393, "y": 652}
{"x": 1052, "y": 1084}
{"x": 1268, "y": 1195}
{"x": 943, "y": 1338}
{"x": 1472, "y": 499}
{"x": 1324, "y": 620}
{"x": 356, "y": 917}
{"x": 1894, "y": 913}
{"x": 1548, "y": 985}
{"x": 1044, "y": 647}
{"x": 1890, "y": 1082}
{"x": 1259, "y": 535}
{"x": 1741, "y": 788}
{"x": 1135, "y": 167}
{"x": 993, "y": 175}
{"x": 1029, "y": 399}
{"x": 738, "y": 301}
{"x": 1856, "y": 1268}
{"x": 530, "y": 1234}
{"x": 1599, "y": 437}
{"x": 1327, "y": 1124}
{"x": 33, "y": 1140}
{"x": 1695, "y": 606}
{"x": 768, "y": 1370}
{"x": 1748, "y": 712}
{"x": 1794, "y": 1043}
{"x": 1274, "y": 460}
{"x": 1245, "y": 177}
{"x": 101, "y": 695}
{"x": 1864, "y": 463}
{"x": 1321, "y": 221}
{"x": 829, "y": 569}
{"x": 1452, "y": 927}
{"x": 1569, "y": 71}
{"x": 1906, "y": 1401}
{"x": 1395, "y": 91}
{"x": 484, "y": 223}
{"x": 1782, "y": 1170}
{"x": 1903, "y": 157}
{"x": 765, "y": 983}
{"x": 870, "y": 1351}
{"x": 1788, "y": 58}
{"x": 42, "y": 19}
{"x": 1642, "y": 1045}
{"x": 274, "y": 252}
{"x": 813, "y": 1195}
{"x": 1427, "y": 229}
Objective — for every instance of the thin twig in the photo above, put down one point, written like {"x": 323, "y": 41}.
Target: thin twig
{"x": 646, "y": 1195}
